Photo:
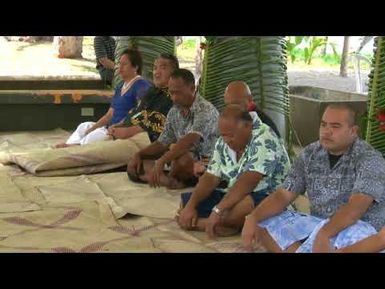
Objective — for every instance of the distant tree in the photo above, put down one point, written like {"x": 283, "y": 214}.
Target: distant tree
{"x": 344, "y": 57}
{"x": 326, "y": 45}
{"x": 68, "y": 46}
{"x": 198, "y": 57}
{"x": 311, "y": 45}
{"x": 42, "y": 38}
{"x": 364, "y": 40}
{"x": 292, "y": 43}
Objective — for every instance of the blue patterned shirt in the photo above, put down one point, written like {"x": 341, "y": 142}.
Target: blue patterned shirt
{"x": 361, "y": 169}
{"x": 263, "y": 154}
{"x": 202, "y": 119}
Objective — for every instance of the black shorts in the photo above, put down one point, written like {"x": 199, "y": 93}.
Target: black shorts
{"x": 205, "y": 207}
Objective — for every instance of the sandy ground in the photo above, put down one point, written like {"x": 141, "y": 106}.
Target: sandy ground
{"x": 325, "y": 78}
{"x": 39, "y": 60}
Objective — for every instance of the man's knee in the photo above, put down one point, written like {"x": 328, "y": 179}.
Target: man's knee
{"x": 268, "y": 241}
{"x": 183, "y": 168}
{"x": 236, "y": 216}
{"x": 233, "y": 222}
{"x": 85, "y": 125}
{"x": 184, "y": 162}
{"x": 96, "y": 135}
{"x": 381, "y": 235}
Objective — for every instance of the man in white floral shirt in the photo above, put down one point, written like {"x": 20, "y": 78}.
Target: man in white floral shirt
{"x": 248, "y": 164}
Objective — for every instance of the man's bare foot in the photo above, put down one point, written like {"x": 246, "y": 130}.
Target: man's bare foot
{"x": 174, "y": 184}
{"x": 137, "y": 179}
{"x": 226, "y": 231}
{"x": 64, "y": 145}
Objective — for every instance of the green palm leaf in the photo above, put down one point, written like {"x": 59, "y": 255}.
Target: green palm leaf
{"x": 259, "y": 61}
{"x": 149, "y": 46}
{"x": 376, "y": 96}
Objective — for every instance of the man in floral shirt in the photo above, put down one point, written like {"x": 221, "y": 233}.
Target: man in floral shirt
{"x": 344, "y": 179}
{"x": 189, "y": 135}
{"x": 238, "y": 92}
{"x": 247, "y": 164}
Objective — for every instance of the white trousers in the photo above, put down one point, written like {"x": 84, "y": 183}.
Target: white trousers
{"x": 79, "y": 137}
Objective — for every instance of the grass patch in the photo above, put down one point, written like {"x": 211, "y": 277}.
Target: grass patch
{"x": 187, "y": 50}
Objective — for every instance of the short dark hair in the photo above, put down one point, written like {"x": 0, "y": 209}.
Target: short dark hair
{"x": 353, "y": 115}
{"x": 172, "y": 58}
{"x": 135, "y": 58}
{"x": 184, "y": 74}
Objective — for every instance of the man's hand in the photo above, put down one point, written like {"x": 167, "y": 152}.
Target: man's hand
{"x": 188, "y": 218}
{"x": 118, "y": 132}
{"x": 111, "y": 132}
{"x": 135, "y": 165}
{"x": 157, "y": 173}
{"x": 249, "y": 233}
{"x": 321, "y": 243}
{"x": 200, "y": 167}
{"x": 213, "y": 221}
{"x": 107, "y": 63}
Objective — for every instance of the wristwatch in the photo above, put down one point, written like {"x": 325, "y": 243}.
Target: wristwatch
{"x": 217, "y": 211}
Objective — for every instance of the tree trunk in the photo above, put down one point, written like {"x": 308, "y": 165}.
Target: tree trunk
{"x": 68, "y": 46}
{"x": 326, "y": 46}
{"x": 198, "y": 57}
{"x": 364, "y": 41}
{"x": 344, "y": 57}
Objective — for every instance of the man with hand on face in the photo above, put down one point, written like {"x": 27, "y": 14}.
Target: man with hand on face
{"x": 189, "y": 135}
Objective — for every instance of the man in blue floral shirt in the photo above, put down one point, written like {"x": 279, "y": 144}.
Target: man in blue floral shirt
{"x": 344, "y": 178}
{"x": 247, "y": 163}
